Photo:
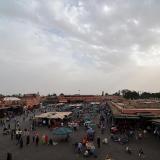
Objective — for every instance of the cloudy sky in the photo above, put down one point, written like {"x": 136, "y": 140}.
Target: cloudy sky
{"x": 88, "y": 45}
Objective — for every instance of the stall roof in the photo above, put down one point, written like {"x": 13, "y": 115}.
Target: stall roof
{"x": 95, "y": 103}
{"x": 1, "y": 108}
{"x": 60, "y": 104}
{"x": 11, "y": 99}
{"x": 76, "y": 105}
{"x": 54, "y": 115}
{"x": 126, "y": 117}
{"x": 155, "y": 121}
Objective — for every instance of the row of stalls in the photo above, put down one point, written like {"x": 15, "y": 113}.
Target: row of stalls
{"x": 79, "y": 110}
{"x": 135, "y": 121}
{"x": 142, "y": 121}
{"x": 11, "y": 111}
{"x": 78, "y": 113}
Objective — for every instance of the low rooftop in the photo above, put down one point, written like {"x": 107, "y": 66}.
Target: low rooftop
{"x": 132, "y": 108}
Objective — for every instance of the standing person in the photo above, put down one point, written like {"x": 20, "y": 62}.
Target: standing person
{"x": 12, "y": 135}
{"x": 31, "y": 127}
{"x": 37, "y": 140}
{"x": 67, "y": 138}
{"x": 9, "y": 126}
{"x": 62, "y": 124}
{"x": 33, "y": 138}
{"x": 43, "y": 139}
{"x": 27, "y": 139}
{"x": 46, "y": 139}
{"x": 9, "y": 156}
{"x": 49, "y": 124}
{"x": 128, "y": 150}
{"x": 98, "y": 142}
{"x": 18, "y": 124}
{"x": 51, "y": 141}
{"x": 102, "y": 128}
{"x": 21, "y": 142}
{"x": 75, "y": 126}
{"x": 17, "y": 137}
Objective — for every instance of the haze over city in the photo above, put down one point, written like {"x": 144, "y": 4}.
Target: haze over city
{"x": 79, "y": 46}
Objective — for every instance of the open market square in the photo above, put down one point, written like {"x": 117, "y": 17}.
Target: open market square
{"x": 73, "y": 132}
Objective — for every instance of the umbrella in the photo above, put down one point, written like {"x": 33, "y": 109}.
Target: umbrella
{"x": 62, "y": 131}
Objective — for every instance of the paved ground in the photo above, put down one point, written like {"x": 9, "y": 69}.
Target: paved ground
{"x": 65, "y": 151}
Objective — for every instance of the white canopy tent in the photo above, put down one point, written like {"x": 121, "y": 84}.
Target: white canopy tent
{"x": 54, "y": 115}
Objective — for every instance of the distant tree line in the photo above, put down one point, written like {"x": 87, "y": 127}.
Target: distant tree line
{"x": 128, "y": 94}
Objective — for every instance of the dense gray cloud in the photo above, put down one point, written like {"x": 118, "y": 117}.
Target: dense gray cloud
{"x": 70, "y": 45}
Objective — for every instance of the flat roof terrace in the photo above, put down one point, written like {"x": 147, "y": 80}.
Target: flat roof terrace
{"x": 133, "y": 104}
{"x": 124, "y": 109}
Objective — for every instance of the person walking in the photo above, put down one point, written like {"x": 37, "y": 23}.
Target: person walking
{"x": 98, "y": 142}
{"x": 79, "y": 147}
{"x": 141, "y": 153}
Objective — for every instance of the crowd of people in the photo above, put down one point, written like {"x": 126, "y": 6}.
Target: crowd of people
{"x": 20, "y": 136}
{"x": 87, "y": 146}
